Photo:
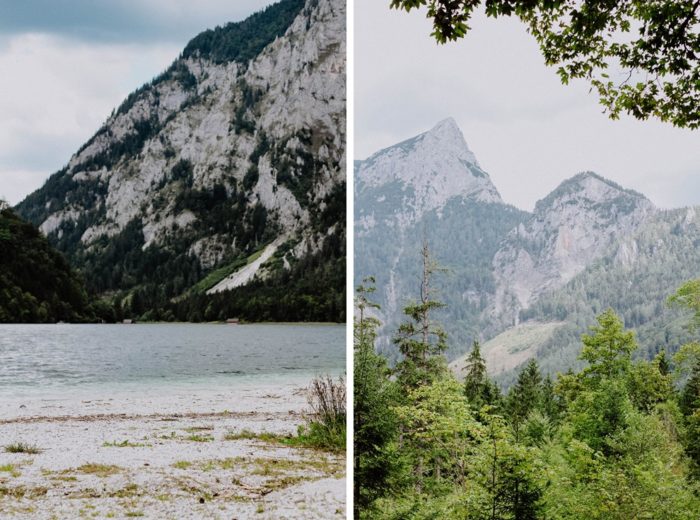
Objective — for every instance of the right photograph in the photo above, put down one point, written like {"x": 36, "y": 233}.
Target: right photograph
{"x": 527, "y": 260}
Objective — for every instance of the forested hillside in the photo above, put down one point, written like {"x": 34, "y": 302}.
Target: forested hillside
{"x": 615, "y": 440}
{"x": 36, "y": 283}
{"x": 634, "y": 277}
{"x": 236, "y": 150}
{"x": 432, "y": 187}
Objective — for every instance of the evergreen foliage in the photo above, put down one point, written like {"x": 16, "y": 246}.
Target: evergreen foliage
{"x": 36, "y": 283}
{"x": 243, "y": 41}
{"x": 374, "y": 393}
{"x": 613, "y": 441}
{"x": 421, "y": 341}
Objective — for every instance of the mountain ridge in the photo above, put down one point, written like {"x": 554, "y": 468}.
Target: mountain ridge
{"x": 211, "y": 161}
{"x": 530, "y": 266}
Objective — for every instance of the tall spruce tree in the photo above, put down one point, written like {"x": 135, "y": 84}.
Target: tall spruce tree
{"x": 422, "y": 341}
{"x": 525, "y": 396}
{"x": 478, "y": 388}
{"x": 688, "y": 359}
{"x": 475, "y": 378}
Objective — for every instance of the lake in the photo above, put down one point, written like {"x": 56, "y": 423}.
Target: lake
{"x": 60, "y": 359}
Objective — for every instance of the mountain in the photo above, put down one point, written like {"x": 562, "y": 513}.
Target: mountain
{"x": 431, "y": 169}
{"x": 526, "y": 284}
{"x": 234, "y": 154}
{"x": 570, "y": 228}
{"x": 430, "y": 185}
{"x": 36, "y": 283}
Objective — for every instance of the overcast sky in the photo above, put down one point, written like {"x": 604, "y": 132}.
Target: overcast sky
{"x": 65, "y": 64}
{"x": 526, "y": 129}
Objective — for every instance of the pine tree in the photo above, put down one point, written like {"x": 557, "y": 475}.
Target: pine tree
{"x": 478, "y": 388}
{"x": 508, "y": 474}
{"x": 475, "y": 379}
{"x": 663, "y": 364}
{"x": 690, "y": 397}
{"x": 525, "y": 396}
{"x": 373, "y": 396}
{"x": 421, "y": 341}
{"x": 550, "y": 404}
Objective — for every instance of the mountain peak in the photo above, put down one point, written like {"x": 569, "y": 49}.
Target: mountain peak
{"x": 593, "y": 188}
{"x": 448, "y": 134}
{"x": 436, "y": 165}
{"x": 446, "y": 127}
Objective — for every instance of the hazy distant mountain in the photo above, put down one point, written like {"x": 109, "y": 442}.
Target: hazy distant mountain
{"x": 528, "y": 283}
{"x": 225, "y": 170}
{"x": 570, "y": 228}
{"x": 430, "y": 185}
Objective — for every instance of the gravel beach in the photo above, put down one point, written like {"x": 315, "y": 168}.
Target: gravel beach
{"x": 181, "y": 454}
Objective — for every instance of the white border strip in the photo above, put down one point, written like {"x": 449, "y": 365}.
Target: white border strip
{"x": 350, "y": 209}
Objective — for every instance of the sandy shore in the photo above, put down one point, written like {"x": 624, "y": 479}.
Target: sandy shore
{"x": 176, "y": 455}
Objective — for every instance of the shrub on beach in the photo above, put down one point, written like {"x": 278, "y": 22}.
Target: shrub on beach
{"x": 326, "y": 424}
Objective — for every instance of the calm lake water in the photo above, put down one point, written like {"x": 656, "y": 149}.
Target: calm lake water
{"x": 38, "y": 359}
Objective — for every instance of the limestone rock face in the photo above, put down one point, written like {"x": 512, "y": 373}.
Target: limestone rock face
{"x": 571, "y": 228}
{"x": 245, "y": 137}
{"x": 430, "y": 169}
{"x": 504, "y": 265}
{"x": 430, "y": 185}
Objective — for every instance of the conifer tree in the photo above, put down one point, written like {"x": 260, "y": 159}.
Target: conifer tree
{"x": 690, "y": 397}
{"x": 525, "y": 396}
{"x": 422, "y": 341}
{"x": 373, "y": 396}
{"x": 551, "y": 405}
{"x": 663, "y": 364}
{"x": 475, "y": 379}
{"x": 608, "y": 349}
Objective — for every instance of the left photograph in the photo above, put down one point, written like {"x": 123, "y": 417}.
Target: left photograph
{"x": 173, "y": 259}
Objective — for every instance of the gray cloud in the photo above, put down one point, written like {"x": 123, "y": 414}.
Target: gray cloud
{"x": 122, "y": 20}
{"x": 67, "y": 63}
{"x": 528, "y": 130}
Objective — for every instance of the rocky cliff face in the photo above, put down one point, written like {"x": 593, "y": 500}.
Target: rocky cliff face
{"x": 428, "y": 170}
{"x": 239, "y": 144}
{"x": 572, "y": 227}
{"x": 588, "y": 245}
{"x": 430, "y": 185}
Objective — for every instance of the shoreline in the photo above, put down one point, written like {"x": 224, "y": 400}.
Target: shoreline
{"x": 191, "y": 453}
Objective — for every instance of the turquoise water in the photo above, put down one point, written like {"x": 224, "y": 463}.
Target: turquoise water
{"x": 53, "y": 359}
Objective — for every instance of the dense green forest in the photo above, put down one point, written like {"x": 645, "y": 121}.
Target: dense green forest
{"x": 124, "y": 280}
{"x": 242, "y": 41}
{"x": 311, "y": 289}
{"x": 467, "y": 233}
{"x": 36, "y": 282}
{"x": 617, "y": 439}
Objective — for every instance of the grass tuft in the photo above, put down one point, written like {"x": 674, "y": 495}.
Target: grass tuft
{"x": 11, "y": 469}
{"x": 124, "y": 444}
{"x": 195, "y": 437}
{"x": 22, "y": 447}
{"x": 251, "y": 435}
{"x": 100, "y": 470}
